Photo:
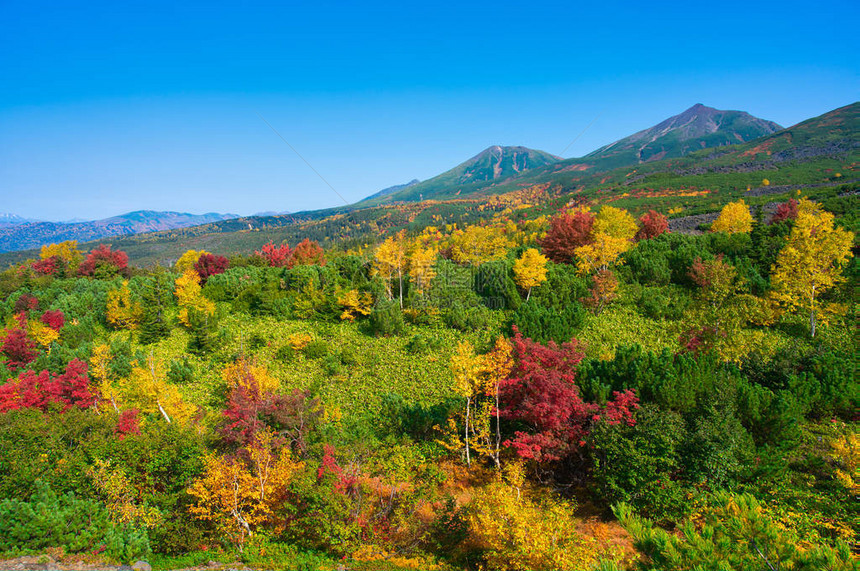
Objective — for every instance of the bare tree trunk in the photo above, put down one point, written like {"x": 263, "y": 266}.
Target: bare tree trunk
{"x": 468, "y": 411}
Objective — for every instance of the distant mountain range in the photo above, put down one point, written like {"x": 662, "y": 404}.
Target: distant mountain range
{"x": 8, "y": 219}
{"x": 22, "y": 234}
{"x": 699, "y": 127}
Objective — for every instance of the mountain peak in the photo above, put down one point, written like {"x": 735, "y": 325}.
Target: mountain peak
{"x": 698, "y": 127}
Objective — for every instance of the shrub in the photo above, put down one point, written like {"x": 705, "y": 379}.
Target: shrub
{"x": 386, "y": 319}
{"x": 544, "y": 324}
{"x": 73, "y": 524}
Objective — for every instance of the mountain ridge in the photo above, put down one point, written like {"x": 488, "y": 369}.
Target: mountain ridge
{"x": 37, "y": 234}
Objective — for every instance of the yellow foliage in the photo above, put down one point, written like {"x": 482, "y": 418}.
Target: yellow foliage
{"x": 811, "y": 261}
{"x": 421, "y": 268}
{"x": 146, "y": 390}
{"x": 42, "y": 334}
{"x": 119, "y": 496}
{"x": 734, "y": 218}
{"x": 478, "y": 244}
{"x": 765, "y": 182}
{"x": 122, "y": 312}
{"x": 390, "y": 262}
{"x": 615, "y": 222}
{"x": 524, "y": 530}
{"x": 242, "y": 496}
{"x": 189, "y": 295}
{"x": 299, "y": 341}
{"x": 530, "y": 270}
{"x": 249, "y": 375}
{"x": 66, "y": 251}
{"x": 187, "y": 260}
{"x": 846, "y": 455}
{"x": 354, "y": 304}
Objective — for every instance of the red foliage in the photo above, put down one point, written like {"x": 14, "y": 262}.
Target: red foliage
{"x": 25, "y": 303}
{"x": 276, "y": 256}
{"x": 697, "y": 341}
{"x": 209, "y": 264}
{"x": 103, "y": 258}
{"x": 41, "y": 391}
{"x": 54, "y": 319}
{"x": 651, "y": 225}
{"x": 128, "y": 423}
{"x": 250, "y": 411}
{"x": 48, "y": 266}
{"x": 542, "y": 394}
{"x": 343, "y": 482}
{"x": 307, "y": 253}
{"x": 785, "y": 211}
{"x": 18, "y": 348}
{"x": 566, "y": 233}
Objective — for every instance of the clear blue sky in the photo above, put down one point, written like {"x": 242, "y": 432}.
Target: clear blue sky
{"x": 107, "y": 107}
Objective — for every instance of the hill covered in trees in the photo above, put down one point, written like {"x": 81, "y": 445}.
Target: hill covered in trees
{"x": 653, "y": 367}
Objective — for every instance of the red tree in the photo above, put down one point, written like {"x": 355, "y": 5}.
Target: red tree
{"x": 566, "y": 233}
{"x": 785, "y": 211}
{"x": 128, "y": 423}
{"x": 541, "y": 393}
{"x": 651, "y": 225}
{"x": 48, "y": 266}
{"x": 104, "y": 262}
{"x": 209, "y": 264}
{"x": 54, "y": 319}
{"x": 18, "y": 348}
{"x": 42, "y": 390}
{"x": 276, "y": 256}
{"x": 307, "y": 253}
{"x": 26, "y": 303}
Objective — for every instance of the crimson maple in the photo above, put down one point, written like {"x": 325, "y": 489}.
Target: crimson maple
{"x": 307, "y": 253}
{"x": 542, "y": 394}
{"x": 275, "y": 256}
{"x": 41, "y": 391}
{"x": 651, "y": 225}
{"x": 103, "y": 260}
{"x": 566, "y": 233}
{"x": 209, "y": 265}
{"x": 785, "y": 211}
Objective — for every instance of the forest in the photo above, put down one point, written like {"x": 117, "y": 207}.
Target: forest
{"x": 580, "y": 389}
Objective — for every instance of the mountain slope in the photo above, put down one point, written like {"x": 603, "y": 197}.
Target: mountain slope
{"x": 8, "y": 219}
{"x": 492, "y": 165}
{"x": 393, "y": 189}
{"x": 699, "y": 127}
{"x": 35, "y": 235}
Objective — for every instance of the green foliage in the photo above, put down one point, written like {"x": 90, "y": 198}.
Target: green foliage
{"x": 386, "y": 319}
{"x": 76, "y": 525}
{"x": 640, "y": 465}
{"x": 736, "y": 535}
{"x": 544, "y": 324}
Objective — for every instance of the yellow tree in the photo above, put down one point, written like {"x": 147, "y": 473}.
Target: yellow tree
{"x": 611, "y": 236}
{"x": 478, "y": 244}
{"x": 240, "y": 495}
{"x": 247, "y": 374}
{"x": 390, "y": 262}
{"x": 811, "y": 261}
{"x": 530, "y": 270}
{"x": 187, "y": 260}
{"x": 122, "y": 311}
{"x": 466, "y": 369}
{"x": 421, "y": 262}
{"x": 734, "y": 218}
{"x": 66, "y": 251}
{"x": 101, "y": 372}
{"x": 354, "y": 303}
{"x": 146, "y": 390}
{"x": 189, "y": 295}
{"x": 522, "y": 528}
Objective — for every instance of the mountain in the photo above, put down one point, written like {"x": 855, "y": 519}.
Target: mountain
{"x": 490, "y": 166}
{"x": 8, "y": 219}
{"x": 37, "y": 234}
{"x": 393, "y": 189}
{"x": 699, "y": 127}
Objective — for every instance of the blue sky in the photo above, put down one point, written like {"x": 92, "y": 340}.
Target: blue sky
{"x": 118, "y": 106}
